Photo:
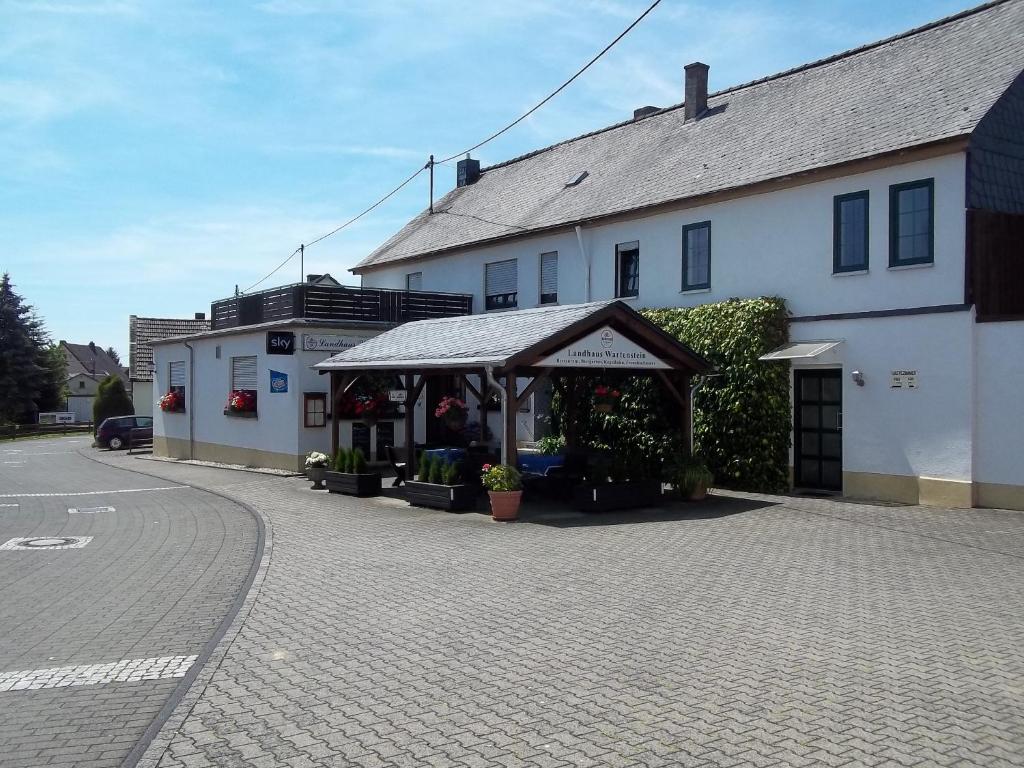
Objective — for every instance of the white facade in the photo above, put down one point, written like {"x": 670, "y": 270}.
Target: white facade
{"x": 277, "y": 436}
{"x": 142, "y": 397}
{"x": 954, "y": 439}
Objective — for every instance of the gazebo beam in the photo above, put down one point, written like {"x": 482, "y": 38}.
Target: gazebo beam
{"x": 511, "y": 408}
{"x": 539, "y": 379}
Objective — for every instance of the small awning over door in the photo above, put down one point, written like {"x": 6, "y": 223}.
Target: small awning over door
{"x": 808, "y": 351}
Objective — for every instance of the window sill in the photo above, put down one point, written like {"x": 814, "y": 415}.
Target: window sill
{"x": 850, "y": 272}
{"x": 687, "y": 291}
{"x": 502, "y": 309}
{"x": 173, "y": 410}
{"x": 902, "y": 267}
{"x": 627, "y": 298}
{"x": 241, "y": 414}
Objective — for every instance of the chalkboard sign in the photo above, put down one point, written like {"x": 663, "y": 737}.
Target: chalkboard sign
{"x": 361, "y": 438}
{"x": 385, "y": 437}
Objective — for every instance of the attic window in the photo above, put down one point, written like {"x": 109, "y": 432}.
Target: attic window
{"x": 577, "y": 179}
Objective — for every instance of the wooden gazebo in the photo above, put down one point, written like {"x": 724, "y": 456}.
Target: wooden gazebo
{"x": 500, "y": 349}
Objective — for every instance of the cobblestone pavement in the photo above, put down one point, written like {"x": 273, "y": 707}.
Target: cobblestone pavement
{"x": 157, "y": 576}
{"x": 754, "y": 631}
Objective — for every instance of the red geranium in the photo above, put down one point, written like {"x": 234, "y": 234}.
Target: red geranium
{"x": 242, "y": 401}
{"x": 172, "y": 401}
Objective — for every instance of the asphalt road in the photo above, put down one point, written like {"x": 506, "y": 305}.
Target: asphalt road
{"x": 123, "y": 583}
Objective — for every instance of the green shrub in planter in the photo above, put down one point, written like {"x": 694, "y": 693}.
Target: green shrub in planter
{"x": 691, "y": 477}
{"x": 435, "y": 470}
{"x": 342, "y": 461}
{"x": 451, "y": 473}
{"x": 357, "y": 463}
{"x": 423, "y": 473}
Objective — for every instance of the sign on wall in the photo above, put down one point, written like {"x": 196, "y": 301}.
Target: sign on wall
{"x": 331, "y": 343}
{"x": 280, "y": 343}
{"x": 903, "y": 380}
{"x": 604, "y": 348}
{"x": 278, "y": 382}
{"x": 397, "y": 395}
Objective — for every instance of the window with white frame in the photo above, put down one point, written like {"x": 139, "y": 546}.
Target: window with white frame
{"x": 414, "y": 281}
{"x": 549, "y": 278}
{"x": 627, "y": 269}
{"x": 244, "y": 385}
{"x": 697, "y": 256}
{"x": 176, "y": 377}
{"x": 501, "y": 285}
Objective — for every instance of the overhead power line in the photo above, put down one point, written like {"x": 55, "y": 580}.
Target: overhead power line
{"x": 448, "y": 159}
{"x": 558, "y": 90}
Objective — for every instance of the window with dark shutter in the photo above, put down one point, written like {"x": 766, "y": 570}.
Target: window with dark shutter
{"x": 697, "y": 256}
{"x": 627, "y": 269}
{"x": 912, "y": 223}
{"x": 850, "y": 232}
{"x": 501, "y": 285}
{"x": 549, "y": 278}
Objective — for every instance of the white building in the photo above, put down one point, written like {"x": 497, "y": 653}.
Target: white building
{"x": 880, "y": 192}
{"x": 265, "y": 344}
{"x": 142, "y": 331}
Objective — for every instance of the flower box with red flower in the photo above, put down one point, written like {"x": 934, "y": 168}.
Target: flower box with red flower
{"x": 242, "y": 403}
{"x": 172, "y": 402}
{"x": 453, "y": 411}
{"x": 605, "y": 398}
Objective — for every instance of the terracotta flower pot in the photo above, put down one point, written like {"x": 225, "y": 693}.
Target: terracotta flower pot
{"x": 603, "y": 407}
{"x": 505, "y": 504}
{"x": 699, "y": 493}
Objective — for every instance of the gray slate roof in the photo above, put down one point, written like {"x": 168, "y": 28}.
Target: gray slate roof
{"x": 470, "y": 340}
{"x": 928, "y": 85}
{"x": 142, "y": 331}
{"x": 91, "y": 360}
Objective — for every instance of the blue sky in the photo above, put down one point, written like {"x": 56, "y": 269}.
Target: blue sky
{"x": 154, "y": 153}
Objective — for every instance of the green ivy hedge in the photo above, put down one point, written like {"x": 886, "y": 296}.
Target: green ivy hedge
{"x": 741, "y": 422}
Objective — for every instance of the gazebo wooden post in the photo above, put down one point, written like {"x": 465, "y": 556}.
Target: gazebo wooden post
{"x": 511, "y": 407}
{"x": 687, "y": 419}
{"x": 410, "y": 424}
{"x": 570, "y": 415}
{"x": 335, "y": 417}
{"x": 485, "y": 390}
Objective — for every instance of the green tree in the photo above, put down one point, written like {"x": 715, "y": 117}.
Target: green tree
{"x": 112, "y": 354}
{"x": 111, "y": 400}
{"x": 31, "y": 377}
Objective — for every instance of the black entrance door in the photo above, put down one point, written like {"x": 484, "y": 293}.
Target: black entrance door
{"x": 818, "y": 422}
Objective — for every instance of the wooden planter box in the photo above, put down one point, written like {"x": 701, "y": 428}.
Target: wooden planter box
{"x": 452, "y": 498}
{"x": 367, "y": 484}
{"x": 610, "y": 496}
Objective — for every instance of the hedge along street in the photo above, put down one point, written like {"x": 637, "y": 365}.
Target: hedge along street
{"x": 117, "y": 623}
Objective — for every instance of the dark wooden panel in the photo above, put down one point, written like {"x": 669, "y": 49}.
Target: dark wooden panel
{"x": 996, "y": 264}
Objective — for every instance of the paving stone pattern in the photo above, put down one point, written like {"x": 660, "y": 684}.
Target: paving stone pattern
{"x": 759, "y": 631}
{"x": 124, "y": 671}
{"x": 157, "y": 577}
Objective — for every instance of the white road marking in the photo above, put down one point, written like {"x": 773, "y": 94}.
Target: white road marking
{"x": 91, "y": 493}
{"x": 50, "y": 453}
{"x": 124, "y": 671}
{"x": 10, "y": 505}
{"x": 45, "y": 543}
{"x": 88, "y": 510}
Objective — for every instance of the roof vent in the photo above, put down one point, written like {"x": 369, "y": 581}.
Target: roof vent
{"x": 644, "y": 112}
{"x": 467, "y": 171}
{"x": 577, "y": 179}
{"x": 696, "y": 97}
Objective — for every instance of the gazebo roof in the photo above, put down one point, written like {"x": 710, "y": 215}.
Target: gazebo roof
{"x": 503, "y": 340}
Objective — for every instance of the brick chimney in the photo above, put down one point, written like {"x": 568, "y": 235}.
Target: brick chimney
{"x": 696, "y": 97}
{"x": 644, "y": 112}
{"x": 467, "y": 171}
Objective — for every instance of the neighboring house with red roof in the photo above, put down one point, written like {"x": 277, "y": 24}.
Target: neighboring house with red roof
{"x": 88, "y": 365}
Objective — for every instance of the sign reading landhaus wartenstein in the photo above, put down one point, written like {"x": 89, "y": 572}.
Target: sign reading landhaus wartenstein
{"x": 604, "y": 348}
{"x": 329, "y": 342}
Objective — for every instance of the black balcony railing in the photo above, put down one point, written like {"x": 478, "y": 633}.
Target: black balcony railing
{"x": 346, "y": 303}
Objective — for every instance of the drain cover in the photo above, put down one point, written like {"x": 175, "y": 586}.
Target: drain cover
{"x": 47, "y": 542}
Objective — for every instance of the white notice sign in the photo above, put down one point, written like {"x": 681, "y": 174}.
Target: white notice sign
{"x": 329, "y": 342}
{"x": 903, "y": 380}
{"x": 604, "y": 348}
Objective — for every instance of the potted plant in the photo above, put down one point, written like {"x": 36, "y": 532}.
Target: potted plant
{"x": 605, "y": 398}
{"x": 172, "y": 402}
{"x": 350, "y": 475}
{"x": 618, "y": 483}
{"x": 368, "y": 406}
{"x": 316, "y": 468}
{"x": 241, "y": 402}
{"x": 691, "y": 478}
{"x": 453, "y": 411}
{"x": 505, "y": 487}
{"x": 440, "y": 485}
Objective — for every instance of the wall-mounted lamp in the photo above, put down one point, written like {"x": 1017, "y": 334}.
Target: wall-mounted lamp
{"x": 858, "y": 378}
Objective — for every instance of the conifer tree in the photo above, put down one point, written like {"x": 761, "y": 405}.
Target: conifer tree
{"x": 31, "y": 376}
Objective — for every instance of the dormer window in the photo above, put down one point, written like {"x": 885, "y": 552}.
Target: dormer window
{"x": 575, "y": 180}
